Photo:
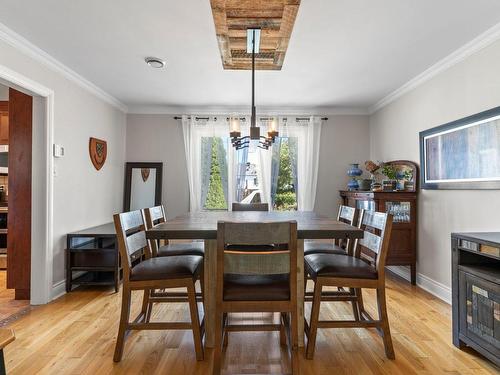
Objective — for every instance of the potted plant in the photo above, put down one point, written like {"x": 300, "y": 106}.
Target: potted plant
{"x": 392, "y": 176}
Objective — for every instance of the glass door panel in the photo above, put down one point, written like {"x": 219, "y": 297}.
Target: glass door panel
{"x": 401, "y": 211}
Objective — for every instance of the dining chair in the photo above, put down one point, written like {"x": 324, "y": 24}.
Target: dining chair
{"x": 365, "y": 269}
{"x": 156, "y": 215}
{"x": 256, "y": 281}
{"x": 346, "y": 215}
{"x": 146, "y": 273}
{"x": 250, "y": 207}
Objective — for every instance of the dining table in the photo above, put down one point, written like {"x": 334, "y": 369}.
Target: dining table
{"x": 203, "y": 226}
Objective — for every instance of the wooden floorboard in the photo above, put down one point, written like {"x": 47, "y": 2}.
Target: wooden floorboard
{"x": 76, "y": 335}
{"x": 9, "y": 307}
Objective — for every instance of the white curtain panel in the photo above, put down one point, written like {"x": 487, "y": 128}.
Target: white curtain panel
{"x": 193, "y": 157}
{"x": 194, "y": 131}
{"x": 265, "y": 158}
{"x": 308, "y": 135}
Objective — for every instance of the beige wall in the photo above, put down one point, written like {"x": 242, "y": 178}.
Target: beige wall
{"x": 469, "y": 87}
{"x": 344, "y": 140}
{"x": 83, "y": 197}
{"x": 159, "y": 138}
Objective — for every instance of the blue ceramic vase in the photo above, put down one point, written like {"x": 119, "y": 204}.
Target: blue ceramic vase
{"x": 353, "y": 171}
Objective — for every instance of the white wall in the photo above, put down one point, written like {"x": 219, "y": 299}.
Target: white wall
{"x": 469, "y": 87}
{"x": 159, "y": 138}
{"x": 83, "y": 197}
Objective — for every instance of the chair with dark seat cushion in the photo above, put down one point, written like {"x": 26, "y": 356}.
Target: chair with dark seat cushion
{"x": 364, "y": 269}
{"x": 255, "y": 277}
{"x": 189, "y": 248}
{"x": 346, "y": 215}
{"x": 142, "y": 272}
{"x": 336, "y": 265}
{"x": 156, "y": 215}
{"x": 175, "y": 267}
{"x": 315, "y": 247}
{"x": 256, "y": 287}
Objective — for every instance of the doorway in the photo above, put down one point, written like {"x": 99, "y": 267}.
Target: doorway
{"x": 41, "y": 287}
{"x": 16, "y": 110}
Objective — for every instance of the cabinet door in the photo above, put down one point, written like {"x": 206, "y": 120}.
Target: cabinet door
{"x": 4, "y": 128}
{"x": 479, "y": 306}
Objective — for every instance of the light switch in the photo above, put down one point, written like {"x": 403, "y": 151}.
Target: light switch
{"x": 58, "y": 151}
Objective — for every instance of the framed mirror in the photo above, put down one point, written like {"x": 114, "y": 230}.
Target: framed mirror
{"x": 143, "y": 185}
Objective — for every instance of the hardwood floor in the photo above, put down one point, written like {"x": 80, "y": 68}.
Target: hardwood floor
{"x": 76, "y": 335}
{"x": 9, "y": 307}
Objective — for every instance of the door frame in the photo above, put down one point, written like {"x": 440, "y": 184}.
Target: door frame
{"x": 42, "y": 209}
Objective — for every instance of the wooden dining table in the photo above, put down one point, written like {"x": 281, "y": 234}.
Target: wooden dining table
{"x": 203, "y": 226}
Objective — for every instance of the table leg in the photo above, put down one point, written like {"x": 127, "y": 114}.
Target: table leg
{"x": 2, "y": 363}
{"x": 210, "y": 273}
{"x": 300, "y": 291}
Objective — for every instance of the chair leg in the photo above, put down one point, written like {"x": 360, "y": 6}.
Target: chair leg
{"x": 282, "y": 329}
{"x": 195, "y": 322}
{"x": 124, "y": 321}
{"x": 313, "y": 321}
{"x": 384, "y": 323}
{"x": 355, "y": 310}
{"x": 146, "y": 306}
{"x": 295, "y": 342}
{"x": 217, "y": 365}
{"x": 361, "y": 306}
{"x": 225, "y": 339}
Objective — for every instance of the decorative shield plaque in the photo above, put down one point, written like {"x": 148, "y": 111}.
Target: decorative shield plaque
{"x": 98, "y": 150}
{"x": 145, "y": 174}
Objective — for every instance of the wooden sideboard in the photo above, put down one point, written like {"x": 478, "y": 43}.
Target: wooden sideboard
{"x": 403, "y": 206}
{"x": 476, "y": 292}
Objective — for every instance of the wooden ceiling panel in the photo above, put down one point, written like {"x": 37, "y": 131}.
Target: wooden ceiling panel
{"x": 275, "y": 18}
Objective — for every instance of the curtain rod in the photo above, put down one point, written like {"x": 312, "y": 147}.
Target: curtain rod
{"x": 261, "y": 118}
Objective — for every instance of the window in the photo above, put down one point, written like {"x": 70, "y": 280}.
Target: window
{"x": 284, "y": 166}
{"x": 214, "y": 189}
{"x": 284, "y": 176}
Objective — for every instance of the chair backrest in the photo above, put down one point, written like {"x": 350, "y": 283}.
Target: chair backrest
{"x": 346, "y": 215}
{"x": 131, "y": 236}
{"x": 154, "y": 216}
{"x": 249, "y": 259}
{"x": 250, "y": 207}
{"x": 374, "y": 245}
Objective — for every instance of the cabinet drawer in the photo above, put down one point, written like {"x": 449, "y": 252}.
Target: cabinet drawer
{"x": 479, "y": 311}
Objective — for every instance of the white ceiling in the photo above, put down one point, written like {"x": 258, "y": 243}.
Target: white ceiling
{"x": 342, "y": 53}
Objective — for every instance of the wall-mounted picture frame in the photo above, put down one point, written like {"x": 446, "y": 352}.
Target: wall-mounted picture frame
{"x": 463, "y": 154}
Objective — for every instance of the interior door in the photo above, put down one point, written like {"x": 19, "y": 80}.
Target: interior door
{"x": 19, "y": 199}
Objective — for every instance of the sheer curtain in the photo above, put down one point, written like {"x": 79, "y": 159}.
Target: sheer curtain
{"x": 265, "y": 179}
{"x": 198, "y": 158}
{"x": 307, "y": 164}
{"x": 307, "y": 133}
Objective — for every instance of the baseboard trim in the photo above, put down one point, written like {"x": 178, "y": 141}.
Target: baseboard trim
{"x": 435, "y": 288}
{"x": 58, "y": 289}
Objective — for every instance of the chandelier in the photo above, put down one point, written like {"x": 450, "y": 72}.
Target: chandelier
{"x": 239, "y": 142}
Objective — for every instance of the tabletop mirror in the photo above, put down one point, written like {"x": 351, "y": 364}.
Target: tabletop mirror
{"x": 143, "y": 185}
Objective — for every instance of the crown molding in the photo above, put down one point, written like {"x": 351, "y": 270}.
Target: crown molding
{"x": 23, "y": 45}
{"x": 484, "y": 40}
{"x": 262, "y": 110}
